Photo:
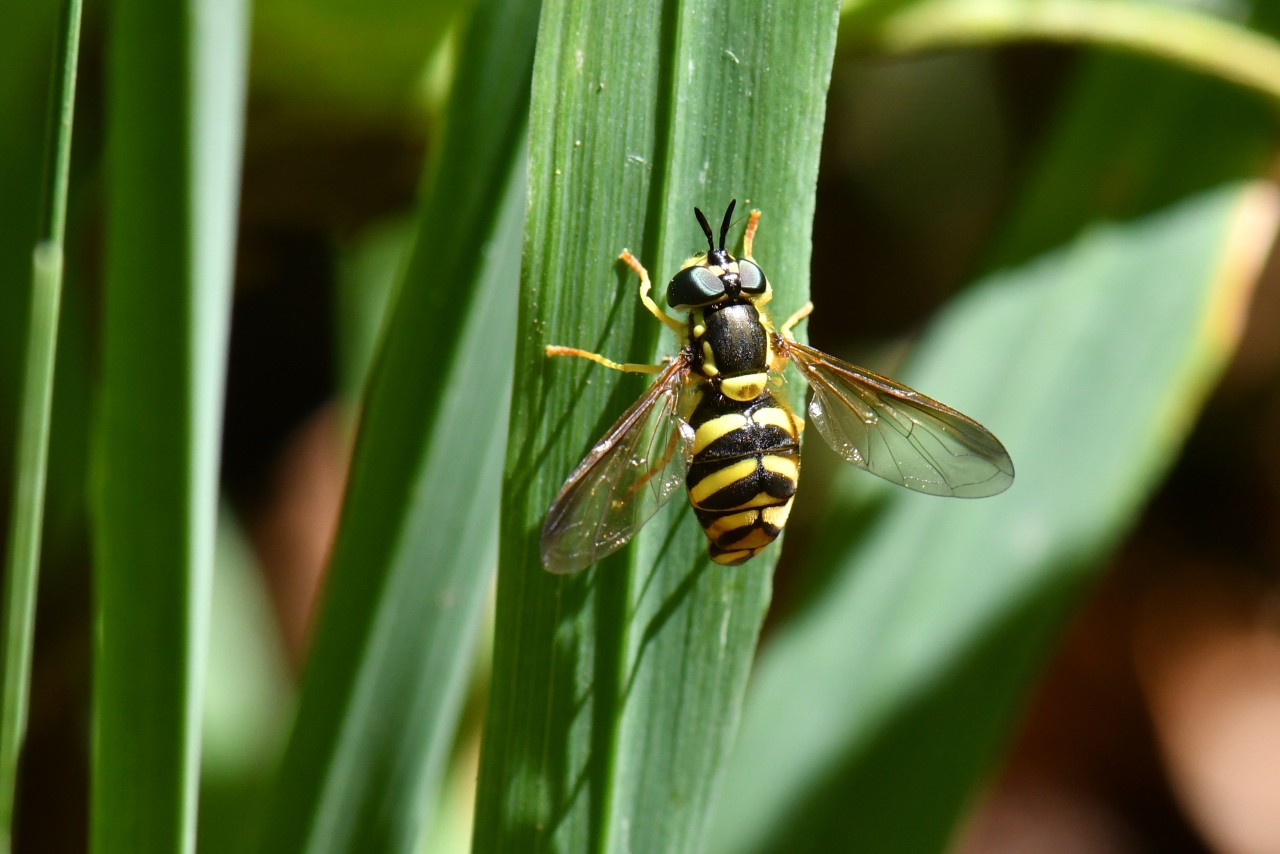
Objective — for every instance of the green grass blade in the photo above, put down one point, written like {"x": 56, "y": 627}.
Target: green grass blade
{"x": 368, "y": 271}
{"x": 175, "y": 100}
{"x": 413, "y": 560}
{"x": 27, "y": 40}
{"x": 62, "y": 103}
{"x": 248, "y": 697}
{"x": 26, "y": 517}
{"x": 26, "y": 521}
{"x": 615, "y": 692}
{"x": 1176, "y": 34}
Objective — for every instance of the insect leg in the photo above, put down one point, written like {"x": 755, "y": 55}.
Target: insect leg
{"x": 805, "y": 311}
{"x": 556, "y": 350}
{"x": 657, "y": 312}
{"x": 750, "y": 236}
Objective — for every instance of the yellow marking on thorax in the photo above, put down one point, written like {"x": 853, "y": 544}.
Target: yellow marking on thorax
{"x": 773, "y": 416}
{"x": 698, "y": 322}
{"x": 718, "y": 480}
{"x": 781, "y": 465}
{"x": 759, "y": 301}
{"x": 709, "y": 360}
{"x": 744, "y": 388}
{"x": 717, "y": 428}
{"x": 767, "y": 323}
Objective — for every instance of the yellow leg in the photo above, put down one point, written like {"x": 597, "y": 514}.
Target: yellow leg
{"x": 657, "y": 312}
{"x": 555, "y": 350}
{"x": 805, "y": 311}
{"x": 765, "y": 297}
{"x": 750, "y": 236}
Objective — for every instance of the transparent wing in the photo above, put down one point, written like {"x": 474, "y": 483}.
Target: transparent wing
{"x": 899, "y": 434}
{"x": 639, "y": 464}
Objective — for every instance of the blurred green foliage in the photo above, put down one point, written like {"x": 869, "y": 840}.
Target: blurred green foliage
{"x": 1070, "y": 234}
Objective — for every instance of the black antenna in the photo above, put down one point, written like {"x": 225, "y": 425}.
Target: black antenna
{"x": 702, "y": 220}
{"x": 724, "y": 226}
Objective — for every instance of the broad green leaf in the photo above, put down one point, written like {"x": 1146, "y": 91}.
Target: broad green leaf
{"x": 615, "y": 692}
{"x": 368, "y": 272}
{"x": 1090, "y": 363}
{"x": 22, "y": 564}
{"x": 357, "y": 57}
{"x": 415, "y": 548}
{"x": 247, "y": 677}
{"x": 175, "y": 103}
{"x": 1136, "y": 137}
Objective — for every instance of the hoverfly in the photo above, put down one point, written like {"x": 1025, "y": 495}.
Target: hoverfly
{"x": 715, "y": 422}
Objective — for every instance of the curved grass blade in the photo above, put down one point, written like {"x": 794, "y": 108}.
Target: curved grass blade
{"x": 415, "y": 547}
{"x": 616, "y": 691}
{"x": 27, "y": 42}
{"x": 22, "y": 565}
{"x": 1170, "y": 32}
{"x": 175, "y": 99}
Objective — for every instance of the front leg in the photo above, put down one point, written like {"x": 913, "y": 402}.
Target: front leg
{"x": 749, "y": 237}
{"x": 634, "y": 263}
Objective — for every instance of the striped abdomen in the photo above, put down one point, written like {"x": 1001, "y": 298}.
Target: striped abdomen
{"x": 745, "y": 464}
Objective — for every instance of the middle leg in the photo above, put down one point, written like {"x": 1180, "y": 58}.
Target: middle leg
{"x": 629, "y": 367}
{"x": 803, "y": 312}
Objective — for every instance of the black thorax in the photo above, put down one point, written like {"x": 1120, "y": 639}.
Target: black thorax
{"x": 739, "y": 342}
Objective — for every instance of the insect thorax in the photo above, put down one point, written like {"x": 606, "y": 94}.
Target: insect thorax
{"x": 731, "y": 348}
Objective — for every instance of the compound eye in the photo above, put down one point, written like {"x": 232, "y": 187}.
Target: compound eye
{"x": 694, "y": 286}
{"x": 753, "y": 281}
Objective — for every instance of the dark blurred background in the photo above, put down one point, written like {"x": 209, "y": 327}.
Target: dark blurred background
{"x": 1157, "y": 725}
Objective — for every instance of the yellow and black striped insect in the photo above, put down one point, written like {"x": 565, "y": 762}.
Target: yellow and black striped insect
{"x": 715, "y": 422}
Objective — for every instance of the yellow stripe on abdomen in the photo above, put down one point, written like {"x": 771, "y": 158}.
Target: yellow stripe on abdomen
{"x": 785, "y": 466}
{"x": 777, "y": 516}
{"x": 730, "y": 522}
{"x": 773, "y": 416}
{"x": 717, "y": 428}
{"x": 718, "y": 480}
